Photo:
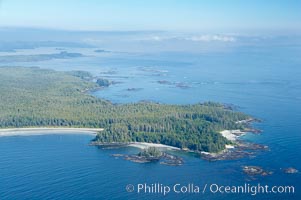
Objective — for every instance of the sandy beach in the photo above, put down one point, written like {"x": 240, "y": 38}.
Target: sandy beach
{"x": 232, "y": 135}
{"x": 47, "y": 131}
{"x": 144, "y": 145}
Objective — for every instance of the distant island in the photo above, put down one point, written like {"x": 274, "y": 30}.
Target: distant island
{"x": 39, "y": 57}
{"x": 34, "y": 97}
{"x": 101, "y": 51}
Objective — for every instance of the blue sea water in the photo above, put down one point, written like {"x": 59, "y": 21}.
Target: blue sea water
{"x": 262, "y": 81}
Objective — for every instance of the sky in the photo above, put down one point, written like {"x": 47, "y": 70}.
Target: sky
{"x": 166, "y": 15}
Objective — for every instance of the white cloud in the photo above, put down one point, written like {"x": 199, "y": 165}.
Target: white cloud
{"x": 212, "y": 38}
{"x": 155, "y": 38}
{"x": 198, "y": 38}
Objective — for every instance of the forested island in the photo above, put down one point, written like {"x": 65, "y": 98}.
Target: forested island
{"x": 34, "y": 97}
{"x": 39, "y": 57}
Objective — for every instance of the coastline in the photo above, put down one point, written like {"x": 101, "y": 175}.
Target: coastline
{"x": 238, "y": 149}
{"x": 232, "y": 135}
{"x": 47, "y": 131}
{"x": 234, "y": 151}
{"x": 145, "y": 145}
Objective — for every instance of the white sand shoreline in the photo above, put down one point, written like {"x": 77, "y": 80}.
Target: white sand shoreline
{"x": 144, "y": 145}
{"x": 47, "y": 131}
{"x": 232, "y": 135}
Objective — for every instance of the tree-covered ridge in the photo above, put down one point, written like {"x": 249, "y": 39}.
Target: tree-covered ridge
{"x": 39, "y": 57}
{"x": 39, "y": 97}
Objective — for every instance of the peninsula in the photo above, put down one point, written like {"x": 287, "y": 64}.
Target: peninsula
{"x": 33, "y": 97}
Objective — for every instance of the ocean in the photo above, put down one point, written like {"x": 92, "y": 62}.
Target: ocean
{"x": 261, "y": 80}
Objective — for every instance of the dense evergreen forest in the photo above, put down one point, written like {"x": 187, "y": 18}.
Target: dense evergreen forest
{"x": 34, "y": 97}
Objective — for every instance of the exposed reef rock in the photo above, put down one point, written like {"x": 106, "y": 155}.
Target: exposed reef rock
{"x": 255, "y": 170}
{"x": 290, "y": 170}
